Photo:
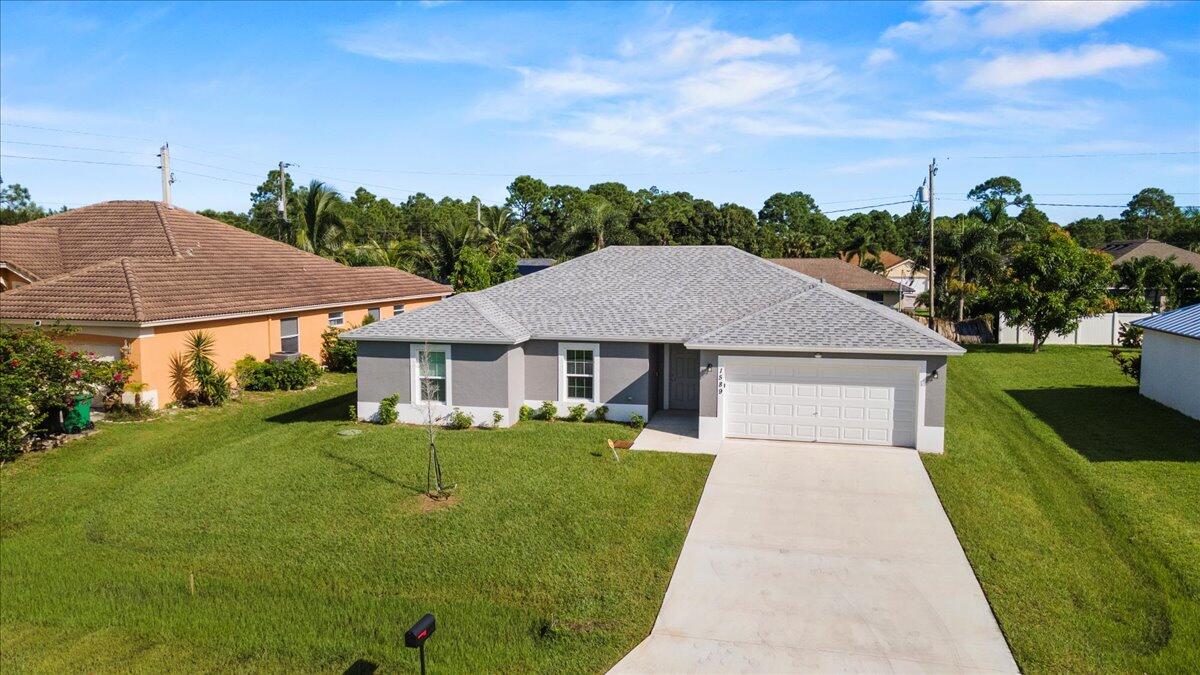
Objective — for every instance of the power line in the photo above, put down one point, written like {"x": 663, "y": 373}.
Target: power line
{"x": 220, "y": 168}
{"x": 224, "y": 180}
{"x": 872, "y": 206}
{"x": 1078, "y": 155}
{"x": 77, "y": 147}
{"x": 81, "y": 133}
{"x": 76, "y": 161}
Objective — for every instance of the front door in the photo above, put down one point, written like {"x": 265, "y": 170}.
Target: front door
{"x": 684, "y": 378}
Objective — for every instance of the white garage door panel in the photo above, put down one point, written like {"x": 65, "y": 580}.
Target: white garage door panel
{"x": 831, "y": 401}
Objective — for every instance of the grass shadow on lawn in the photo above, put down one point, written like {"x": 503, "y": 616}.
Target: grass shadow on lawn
{"x": 336, "y": 409}
{"x": 1114, "y": 423}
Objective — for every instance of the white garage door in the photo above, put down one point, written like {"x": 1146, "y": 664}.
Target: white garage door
{"x": 829, "y": 400}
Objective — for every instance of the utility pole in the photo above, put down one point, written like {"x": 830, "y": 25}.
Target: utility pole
{"x": 164, "y": 154}
{"x": 932, "y": 265}
{"x": 283, "y": 190}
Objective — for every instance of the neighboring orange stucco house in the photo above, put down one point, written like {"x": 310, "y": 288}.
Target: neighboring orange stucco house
{"x": 136, "y": 277}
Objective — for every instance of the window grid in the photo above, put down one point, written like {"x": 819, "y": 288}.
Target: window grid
{"x": 336, "y": 318}
{"x": 580, "y": 374}
{"x": 431, "y": 381}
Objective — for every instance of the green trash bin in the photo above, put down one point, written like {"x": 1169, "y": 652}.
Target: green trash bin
{"x": 79, "y": 416}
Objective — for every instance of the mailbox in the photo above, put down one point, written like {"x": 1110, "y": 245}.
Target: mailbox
{"x": 420, "y": 631}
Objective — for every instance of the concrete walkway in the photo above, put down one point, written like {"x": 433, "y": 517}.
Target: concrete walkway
{"x": 814, "y": 558}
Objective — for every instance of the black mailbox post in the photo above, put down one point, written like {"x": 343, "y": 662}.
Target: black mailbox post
{"x": 416, "y": 636}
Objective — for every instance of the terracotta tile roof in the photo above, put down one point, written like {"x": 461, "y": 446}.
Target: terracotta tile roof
{"x": 32, "y": 249}
{"x": 841, "y": 274}
{"x": 888, "y": 259}
{"x": 1129, "y": 249}
{"x": 142, "y": 261}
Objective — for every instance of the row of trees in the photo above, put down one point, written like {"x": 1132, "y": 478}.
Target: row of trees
{"x": 472, "y": 245}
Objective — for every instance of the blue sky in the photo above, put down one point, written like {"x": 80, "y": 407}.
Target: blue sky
{"x": 731, "y": 102}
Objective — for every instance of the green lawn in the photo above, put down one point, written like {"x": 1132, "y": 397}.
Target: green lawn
{"x": 310, "y": 551}
{"x": 1078, "y": 504}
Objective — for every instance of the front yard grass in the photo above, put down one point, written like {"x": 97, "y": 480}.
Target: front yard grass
{"x": 309, "y": 551}
{"x": 1078, "y": 504}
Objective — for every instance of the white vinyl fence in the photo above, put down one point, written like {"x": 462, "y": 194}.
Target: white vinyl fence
{"x": 1093, "y": 330}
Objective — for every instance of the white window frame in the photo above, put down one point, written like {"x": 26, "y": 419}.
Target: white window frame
{"x": 296, "y": 335}
{"x": 563, "y": 347}
{"x": 397, "y": 310}
{"x": 378, "y": 312}
{"x": 414, "y": 368}
{"x": 337, "y": 319}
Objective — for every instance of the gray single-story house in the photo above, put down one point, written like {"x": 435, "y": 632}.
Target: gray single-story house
{"x": 755, "y": 349}
{"x": 1171, "y": 359}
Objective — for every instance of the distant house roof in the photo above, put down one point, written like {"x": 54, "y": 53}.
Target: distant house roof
{"x": 1184, "y": 321}
{"x": 888, "y": 259}
{"x": 1129, "y": 249}
{"x": 142, "y": 261}
{"x": 842, "y": 274}
{"x": 701, "y": 296}
{"x": 531, "y": 265}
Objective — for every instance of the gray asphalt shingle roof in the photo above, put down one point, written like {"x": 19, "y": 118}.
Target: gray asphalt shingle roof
{"x": 686, "y": 294}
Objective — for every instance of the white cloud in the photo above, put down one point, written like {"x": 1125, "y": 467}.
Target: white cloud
{"x": 832, "y": 126}
{"x": 662, "y": 91}
{"x": 739, "y": 83}
{"x": 1012, "y": 18}
{"x": 880, "y": 56}
{"x": 700, "y": 44}
{"x": 966, "y": 22}
{"x": 1013, "y": 70}
{"x": 380, "y": 45}
{"x": 570, "y": 82}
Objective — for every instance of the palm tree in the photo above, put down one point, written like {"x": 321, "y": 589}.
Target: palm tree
{"x": 597, "y": 224}
{"x": 872, "y": 264}
{"x": 862, "y": 245}
{"x": 403, "y": 254}
{"x": 319, "y": 225}
{"x": 1140, "y": 276}
{"x": 137, "y": 389}
{"x": 446, "y": 242}
{"x": 501, "y": 232}
{"x": 971, "y": 250}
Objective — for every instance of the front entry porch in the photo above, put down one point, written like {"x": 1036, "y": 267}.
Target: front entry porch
{"x": 675, "y": 431}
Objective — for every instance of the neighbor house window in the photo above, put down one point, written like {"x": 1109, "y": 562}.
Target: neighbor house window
{"x": 398, "y": 309}
{"x": 578, "y": 371}
{"x": 431, "y": 373}
{"x": 289, "y": 335}
{"x": 877, "y": 297}
{"x": 373, "y": 312}
{"x": 336, "y": 318}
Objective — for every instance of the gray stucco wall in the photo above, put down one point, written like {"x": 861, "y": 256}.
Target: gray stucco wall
{"x": 624, "y": 372}
{"x": 516, "y": 382}
{"x": 383, "y": 371}
{"x": 935, "y": 390}
{"x": 480, "y": 375}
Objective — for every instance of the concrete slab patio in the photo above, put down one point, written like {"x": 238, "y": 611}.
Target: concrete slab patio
{"x": 814, "y": 558}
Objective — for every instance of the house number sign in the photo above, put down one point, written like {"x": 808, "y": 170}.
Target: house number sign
{"x": 720, "y": 380}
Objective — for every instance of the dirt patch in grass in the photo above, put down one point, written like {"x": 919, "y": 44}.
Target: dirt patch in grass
{"x": 430, "y": 504}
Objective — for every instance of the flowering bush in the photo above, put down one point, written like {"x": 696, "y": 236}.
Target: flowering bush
{"x": 39, "y": 375}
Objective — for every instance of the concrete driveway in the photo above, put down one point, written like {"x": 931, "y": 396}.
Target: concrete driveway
{"x": 818, "y": 558}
